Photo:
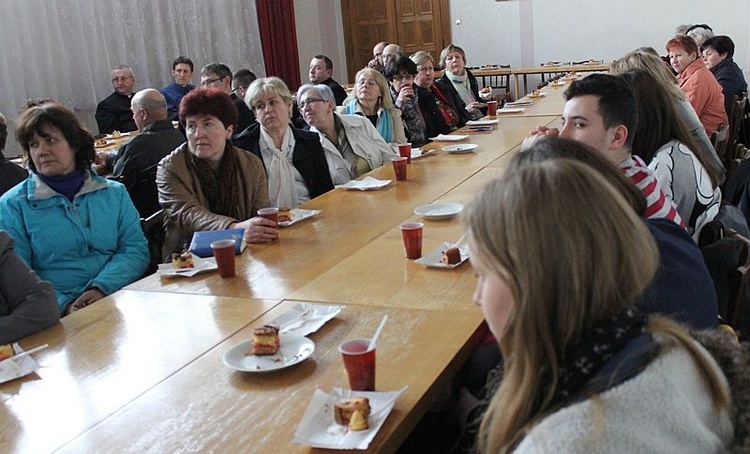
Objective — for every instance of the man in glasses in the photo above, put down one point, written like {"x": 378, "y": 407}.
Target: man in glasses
{"x": 113, "y": 113}
{"x": 219, "y": 76}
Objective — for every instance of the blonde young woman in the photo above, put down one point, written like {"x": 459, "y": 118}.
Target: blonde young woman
{"x": 371, "y": 98}
{"x": 648, "y": 59}
{"x": 584, "y": 370}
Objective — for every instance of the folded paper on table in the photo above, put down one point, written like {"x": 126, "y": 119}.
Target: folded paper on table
{"x": 201, "y": 242}
{"x": 17, "y": 367}
{"x": 305, "y": 318}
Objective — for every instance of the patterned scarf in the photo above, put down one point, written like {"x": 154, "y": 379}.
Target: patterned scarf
{"x": 450, "y": 116}
{"x": 461, "y": 83}
{"x": 593, "y": 349}
{"x": 412, "y": 117}
{"x": 219, "y": 188}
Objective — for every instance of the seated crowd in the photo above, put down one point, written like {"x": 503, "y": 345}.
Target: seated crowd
{"x": 607, "y": 211}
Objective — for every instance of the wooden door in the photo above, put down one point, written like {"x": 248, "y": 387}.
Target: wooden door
{"x": 412, "y": 24}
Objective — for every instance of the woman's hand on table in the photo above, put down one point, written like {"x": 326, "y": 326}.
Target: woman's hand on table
{"x": 88, "y": 297}
{"x": 258, "y": 230}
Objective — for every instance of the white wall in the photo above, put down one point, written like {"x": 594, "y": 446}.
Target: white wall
{"x": 529, "y": 32}
{"x": 320, "y": 30}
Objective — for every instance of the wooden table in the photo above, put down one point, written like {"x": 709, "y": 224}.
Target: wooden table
{"x": 259, "y": 412}
{"x": 102, "y": 358}
{"x": 518, "y": 73}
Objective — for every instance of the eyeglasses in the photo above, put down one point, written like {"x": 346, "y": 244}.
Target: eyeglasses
{"x": 403, "y": 77}
{"x": 309, "y": 102}
{"x": 210, "y": 81}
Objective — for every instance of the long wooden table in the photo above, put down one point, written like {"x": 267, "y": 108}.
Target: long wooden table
{"x": 141, "y": 369}
{"x": 228, "y": 411}
{"x": 519, "y": 73}
{"x": 102, "y": 358}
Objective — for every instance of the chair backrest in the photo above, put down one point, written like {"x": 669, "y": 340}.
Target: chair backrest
{"x": 153, "y": 230}
{"x": 739, "y": 300}
{"x": 144, "y": 193}
{"x": 720, "y": 141}
{"x": 736, "y": 115}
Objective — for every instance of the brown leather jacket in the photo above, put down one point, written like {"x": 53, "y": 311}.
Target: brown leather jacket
{"x": 186, "y": 207}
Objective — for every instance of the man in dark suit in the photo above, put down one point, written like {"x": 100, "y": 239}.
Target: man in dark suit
{"x": 219, "y": 76}
{"x": 113, "y": 113}
{"x": 10, "y": 174}
{"x": 321, "y": 70}
{"x": 135, "y": 160}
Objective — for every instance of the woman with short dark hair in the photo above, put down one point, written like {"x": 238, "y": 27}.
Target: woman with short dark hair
{"x": 208, "y": 184}
{"x": 717, "y": 56}
{"x": 418, "y": 105}
{"x": 75, "y": 229}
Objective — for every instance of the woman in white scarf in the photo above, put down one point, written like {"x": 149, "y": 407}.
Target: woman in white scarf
{"x": 294, "y": 159}
{"x": 463, "y": 82}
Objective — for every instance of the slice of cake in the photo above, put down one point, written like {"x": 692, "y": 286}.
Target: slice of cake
{"x": 6, "y": 351}
{"x": 183, "y": 260}
{"x": 265, "y": 340}
{"x": 352, "y": 412}
{"x": 451, "y": 256}
{"x": 285, "y": 215}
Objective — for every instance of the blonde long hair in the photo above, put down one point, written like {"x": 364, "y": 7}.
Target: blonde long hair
{"x": 573, "y": 252}
{"x": 652, "y": 64}
{"x": 385, "y": 95}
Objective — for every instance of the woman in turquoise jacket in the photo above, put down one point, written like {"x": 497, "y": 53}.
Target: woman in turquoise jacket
{"x": 76, "y": 230}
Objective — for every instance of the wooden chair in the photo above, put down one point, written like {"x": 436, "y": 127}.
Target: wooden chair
{"x": 720, "y": 141}
{"x": 153, "y": 230}
{"x": 736, "y": 115}
{"x": 737, "y": 311}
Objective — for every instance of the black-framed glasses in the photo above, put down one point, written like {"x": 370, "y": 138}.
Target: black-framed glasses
{"x": 403, "y": 77}
{"x": 308, "y": 101}
{"x": 210, "y": 81}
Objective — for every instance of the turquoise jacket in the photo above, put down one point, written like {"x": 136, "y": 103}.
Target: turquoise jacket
{"x": 94, "y": 241}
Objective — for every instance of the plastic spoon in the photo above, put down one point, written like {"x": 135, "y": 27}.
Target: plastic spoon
{"x": 374, "y": 340}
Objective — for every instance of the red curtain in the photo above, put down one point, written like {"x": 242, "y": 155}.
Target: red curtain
{"x": 278, "y": 36}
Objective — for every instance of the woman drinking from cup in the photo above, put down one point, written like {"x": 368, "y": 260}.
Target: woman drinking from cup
{"x": 562, "y": 259}
{"x": 372, "y": 99}
{"x": 76, "y": 230}
{"x": 208, "y": 184}
{"x": 418, "y": 105}
{"x": 294, "y": 160}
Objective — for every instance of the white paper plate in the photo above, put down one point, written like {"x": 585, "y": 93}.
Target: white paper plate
{"x": 519, "y": 103}
{"x": 540, "y": 95}
{"x": 201, "y": 266}
{"x": 432, "y": 259}
{"x": 293, "y": 349}
{"x": 507, "y": 110}
{"x": 439, "y": 210}
{"x": 365, "y": 184}
{"x": 299, "y": 214}
{"x": 449, "y": 137}
{"x": 460, "y": 149}
{"x": 305, "y": 318}
{"x": 318, "y": 428}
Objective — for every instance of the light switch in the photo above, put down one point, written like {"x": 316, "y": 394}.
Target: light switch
{"x": 458, "y": 21}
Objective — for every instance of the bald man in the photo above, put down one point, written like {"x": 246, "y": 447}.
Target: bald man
{"x": 377, "y": 56}
{"x": 157, "y": 138}
{"x": 389, "y": 52}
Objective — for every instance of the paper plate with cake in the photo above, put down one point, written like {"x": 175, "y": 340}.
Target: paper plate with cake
{"x": 296, "y": 215}
{"x": 331, "y": 420}
{"x": 183, "y": 267}
{"x": 261, "y": 355}
{"x": 448, "y": 255}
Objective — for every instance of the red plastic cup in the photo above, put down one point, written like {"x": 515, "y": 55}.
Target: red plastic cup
{"x": 411, "y": 232}
{"x": 492, "y": 108}
{"x": 399, "y": 168}
{"x": 359, "y": 363}
{"x": 224, "y": 252}
{"x": 272, "y": 214}
{"x": 404, "y": 150}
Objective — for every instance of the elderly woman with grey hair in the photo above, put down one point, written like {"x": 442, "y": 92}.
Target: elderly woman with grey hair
{"x": 294, "y": 159}
{"x": 352, "y": 144}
